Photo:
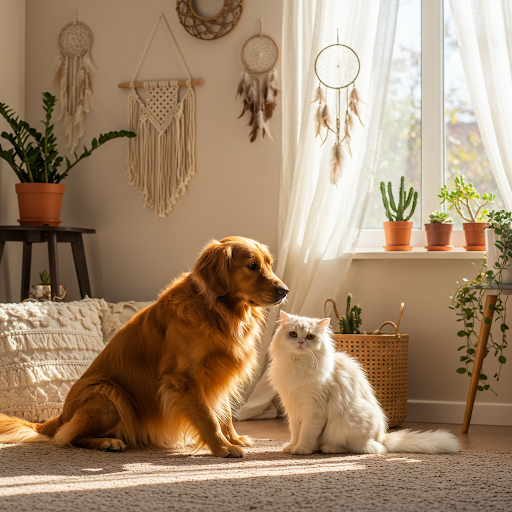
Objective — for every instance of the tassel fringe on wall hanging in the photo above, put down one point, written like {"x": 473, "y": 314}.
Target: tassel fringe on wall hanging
{"x": 337, "y": 67}
{"x": 161, "y": 159}
{"x": 258, "y": 86}
{"x": 73, "y": 76}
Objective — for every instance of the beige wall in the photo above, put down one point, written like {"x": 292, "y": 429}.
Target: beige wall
{"x": 12, "y": 92}
{"x": 133, "y": 254}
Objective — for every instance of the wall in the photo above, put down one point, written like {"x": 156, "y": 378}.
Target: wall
{"x": 12, "y": 92}
{"x": 133, "y": 255}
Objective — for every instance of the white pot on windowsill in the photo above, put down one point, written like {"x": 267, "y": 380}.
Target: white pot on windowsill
{"x": 493, "y": 253}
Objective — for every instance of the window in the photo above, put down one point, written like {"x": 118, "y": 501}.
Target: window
{"x": 430, "y": 133}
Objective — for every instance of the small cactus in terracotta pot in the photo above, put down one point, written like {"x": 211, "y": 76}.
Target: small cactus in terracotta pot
{"x": 439, "y": 232}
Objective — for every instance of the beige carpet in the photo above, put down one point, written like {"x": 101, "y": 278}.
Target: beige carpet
{"x": 46, "y": 478}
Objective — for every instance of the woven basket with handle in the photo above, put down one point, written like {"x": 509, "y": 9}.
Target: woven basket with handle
{"x": 384, "y": 356}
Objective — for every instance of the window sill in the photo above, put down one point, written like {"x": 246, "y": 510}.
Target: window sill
{"x": 417, "y": 253}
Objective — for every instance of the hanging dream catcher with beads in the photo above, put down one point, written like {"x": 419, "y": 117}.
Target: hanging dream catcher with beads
{"x": 258, "y": 87}
{"x": 72, "y": 75}
{"x": 337, "y": 67}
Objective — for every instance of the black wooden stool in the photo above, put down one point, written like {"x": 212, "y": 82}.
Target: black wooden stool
{"x": 53, "y": 235}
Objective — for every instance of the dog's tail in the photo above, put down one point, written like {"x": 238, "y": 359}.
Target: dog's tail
{"x": 405, "y": 441}
{"x": 17, "y": 430}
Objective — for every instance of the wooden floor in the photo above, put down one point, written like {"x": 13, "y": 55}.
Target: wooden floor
{"x": 480, "y": 437}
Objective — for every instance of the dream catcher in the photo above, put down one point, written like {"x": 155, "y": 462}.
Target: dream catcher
{"x": 72, "y": 74}
{"x": 337, "y": 67}
{"x": 258, "y": 86}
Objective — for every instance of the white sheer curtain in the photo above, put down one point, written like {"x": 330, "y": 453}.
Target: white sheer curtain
{"x": 484, "y": 35}
{"x": 319, "y": 223}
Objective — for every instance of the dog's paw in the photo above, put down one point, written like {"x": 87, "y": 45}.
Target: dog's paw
{"x": 301, "y": 450}
{"x": 327, "y": 448}
{"x": 242, "y": 441}
{"x": 288, "y": 447}
{"x": 229, "y": 451}
{"x": 112, "y": 445}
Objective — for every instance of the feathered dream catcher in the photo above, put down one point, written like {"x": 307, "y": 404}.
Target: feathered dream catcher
{"x": 73, "y": 76}
{"x": 258, "y": 87}
{"x": 337, "y": 67}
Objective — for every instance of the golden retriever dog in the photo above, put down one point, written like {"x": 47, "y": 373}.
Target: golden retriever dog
{"x": 170, "y": 374}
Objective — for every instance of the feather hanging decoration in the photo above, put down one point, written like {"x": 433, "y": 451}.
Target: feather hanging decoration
{"x": 319, "y": 95}
{"x": 337, "y": 163}
{"x": 258, "y": 87}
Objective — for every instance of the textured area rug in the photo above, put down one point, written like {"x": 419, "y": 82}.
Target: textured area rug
{"x": 44, "y": 477}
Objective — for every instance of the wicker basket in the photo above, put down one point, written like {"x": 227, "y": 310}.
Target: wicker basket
{"x": 385, "y": 359}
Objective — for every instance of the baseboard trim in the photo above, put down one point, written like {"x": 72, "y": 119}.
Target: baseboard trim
{"x": 431, "y": 411}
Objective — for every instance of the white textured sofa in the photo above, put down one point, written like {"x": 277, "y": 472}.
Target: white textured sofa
{"x": 45, "y": 347}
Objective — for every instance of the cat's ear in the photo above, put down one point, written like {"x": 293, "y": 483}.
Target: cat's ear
{"x": 284, "y": 317}
{"x": 323, "y": 324}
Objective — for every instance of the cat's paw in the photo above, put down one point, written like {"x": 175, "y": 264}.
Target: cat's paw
{"x": 301, "y": 450}
{"x": 288, "y": 447}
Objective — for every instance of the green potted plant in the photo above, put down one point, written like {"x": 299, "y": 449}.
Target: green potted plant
{"x": 468, "y": 301}
{"x": 43, "y": 290}
{"x": 35, "y": 159}
{"x": 350, "y": 323}
{"x": 465, "y": 199}
{"x": 398, "y": 230}
{"x": 439, "y": 232}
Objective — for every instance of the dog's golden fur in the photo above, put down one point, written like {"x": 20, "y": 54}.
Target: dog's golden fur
{"x": 170, "y": 373}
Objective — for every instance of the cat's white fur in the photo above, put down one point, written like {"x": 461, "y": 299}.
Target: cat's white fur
{"x": 329, "y": 402}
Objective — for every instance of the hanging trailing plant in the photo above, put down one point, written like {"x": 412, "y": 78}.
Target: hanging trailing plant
{"x": 468, "y": 302}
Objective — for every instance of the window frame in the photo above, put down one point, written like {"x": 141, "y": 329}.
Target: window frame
{"x": 433, "y": 158}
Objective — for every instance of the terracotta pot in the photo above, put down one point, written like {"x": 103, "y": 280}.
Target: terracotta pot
{"x": 39, "y": 203}
{"x": 475, "y": 235}
{"x": 398, "y": 235}
{"x": 439, "y": 236}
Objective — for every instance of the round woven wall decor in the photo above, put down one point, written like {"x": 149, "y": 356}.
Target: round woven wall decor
{"x": 75, "y": 39}
{"x": 260, "y": 54}
{"x": 209, "y": 28}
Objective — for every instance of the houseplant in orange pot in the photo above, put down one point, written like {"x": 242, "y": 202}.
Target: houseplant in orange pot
{"x": 398, "y": 230}
{"x": 35, "y": 159}
{"x": 439, "y": 232}
{"x": 466, "y": 201}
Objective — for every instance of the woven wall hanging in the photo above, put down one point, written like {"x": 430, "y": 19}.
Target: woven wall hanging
{"x": 161, "y": 158}
{"x": 337, "y": 67}
{"x": 258, "y": 87}
{"x": 209, "y": 28}
{"x": 72, "y": 75}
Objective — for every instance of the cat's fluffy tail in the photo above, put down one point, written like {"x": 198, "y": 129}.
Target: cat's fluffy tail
{"x": 405, "y": 441}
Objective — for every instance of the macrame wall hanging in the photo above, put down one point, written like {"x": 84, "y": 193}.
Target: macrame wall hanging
{"x": 258, "y": 86}
{"x": 209, "y": 28}
{"x": 161, "y": 159}
{"x": 337, "y": 67}
{"x": 72, "y": 75}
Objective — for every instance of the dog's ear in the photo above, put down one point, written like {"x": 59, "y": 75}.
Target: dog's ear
{"x": 213, "y": 266}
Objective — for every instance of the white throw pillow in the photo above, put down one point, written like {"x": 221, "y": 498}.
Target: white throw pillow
{"x": 119, "y": 314}
{"x": 44, "y": 348}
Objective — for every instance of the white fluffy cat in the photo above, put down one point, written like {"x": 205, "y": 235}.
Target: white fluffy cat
{"x": 330, "y": 404}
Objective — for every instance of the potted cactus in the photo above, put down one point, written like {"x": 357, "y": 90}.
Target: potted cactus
{"x": 350, "y": 324}
{"x": 439, "y": 232}
{"x": 398, "y": 230}
{"x": 43, "y": 290}
{"x": 465, "y": 200}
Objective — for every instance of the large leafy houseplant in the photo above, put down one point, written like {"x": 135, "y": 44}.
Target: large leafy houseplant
{"x": 468, "y": 301}
{"x": 35, "y": 159}
{"x": 34, "y": 156}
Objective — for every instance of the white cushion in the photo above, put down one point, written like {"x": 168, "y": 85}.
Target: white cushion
{"x": 119, "y": 314}
{"x": 44, "y": 348}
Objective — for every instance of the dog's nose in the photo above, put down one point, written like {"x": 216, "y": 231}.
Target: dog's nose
{"x": 282, "y": 291}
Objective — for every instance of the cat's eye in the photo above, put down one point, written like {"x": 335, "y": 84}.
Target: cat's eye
{"x": 310, "y": 336}
{"x": 293, "y": 334}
